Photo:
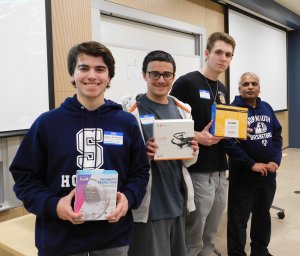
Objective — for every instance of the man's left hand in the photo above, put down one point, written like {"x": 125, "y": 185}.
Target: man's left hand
{"x": 272, "y": 166}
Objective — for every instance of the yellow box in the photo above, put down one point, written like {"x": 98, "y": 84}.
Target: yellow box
{"x": 229, "y": 121}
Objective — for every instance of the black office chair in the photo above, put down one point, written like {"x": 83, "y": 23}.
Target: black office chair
{"x": 281, "y": 213}
{"x": 217, "y": 252}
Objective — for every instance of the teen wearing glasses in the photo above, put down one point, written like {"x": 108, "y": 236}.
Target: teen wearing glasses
{"x": 252, "y": 172}
{"x": 159, "y": 221}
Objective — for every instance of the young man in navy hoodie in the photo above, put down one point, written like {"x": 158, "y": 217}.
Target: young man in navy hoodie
{"x": 79, "y": 135}
{"x": 252, "y": 172}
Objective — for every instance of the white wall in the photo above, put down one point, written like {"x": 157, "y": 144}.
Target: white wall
{"x": 23, "y": 63}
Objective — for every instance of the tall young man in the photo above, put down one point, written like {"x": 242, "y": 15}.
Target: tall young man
{"x": 252, "y": 172}
{"x": 159, "y": 222}
{"x": 78, "y": 135}
{"x": 201, "y": 89}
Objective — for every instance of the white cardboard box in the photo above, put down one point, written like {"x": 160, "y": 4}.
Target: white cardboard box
{"x": 95, "y": 193}
{"x": 173, "y": 137}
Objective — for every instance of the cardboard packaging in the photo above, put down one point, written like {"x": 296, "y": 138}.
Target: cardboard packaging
{"x": 95, "y": 193}
{"x": 229, "y": 121}
{"x": 173, "y": 137}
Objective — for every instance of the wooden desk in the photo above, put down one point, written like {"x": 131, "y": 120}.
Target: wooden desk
{"x": 17, "y": 236}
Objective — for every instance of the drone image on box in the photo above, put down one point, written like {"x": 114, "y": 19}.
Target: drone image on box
{"x": 180, "y": 140}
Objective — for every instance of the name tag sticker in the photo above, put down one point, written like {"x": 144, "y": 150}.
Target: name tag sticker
{"x": 147, "y": 119}
{"x": 204, "y": 94}
{"x": 113, "y": 138}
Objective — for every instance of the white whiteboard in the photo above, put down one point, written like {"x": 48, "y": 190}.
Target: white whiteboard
{"x": 131, "y": 34}
{"x": 128, "y": 73}
{"x": 262, "y": 49}
{"x": 23, "y": 63}
{"x": 140, "y": 35}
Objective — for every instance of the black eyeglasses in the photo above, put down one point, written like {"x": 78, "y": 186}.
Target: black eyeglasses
{"x": 248, "y": 83}
{"x": 156, "y": 75}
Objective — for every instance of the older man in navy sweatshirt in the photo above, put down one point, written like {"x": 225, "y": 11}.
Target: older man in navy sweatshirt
{"x": 252, "y": 166}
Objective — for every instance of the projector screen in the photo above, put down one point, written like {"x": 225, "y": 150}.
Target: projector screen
{"x": 23, "y": 64}
{"x": 262, "y": 49}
